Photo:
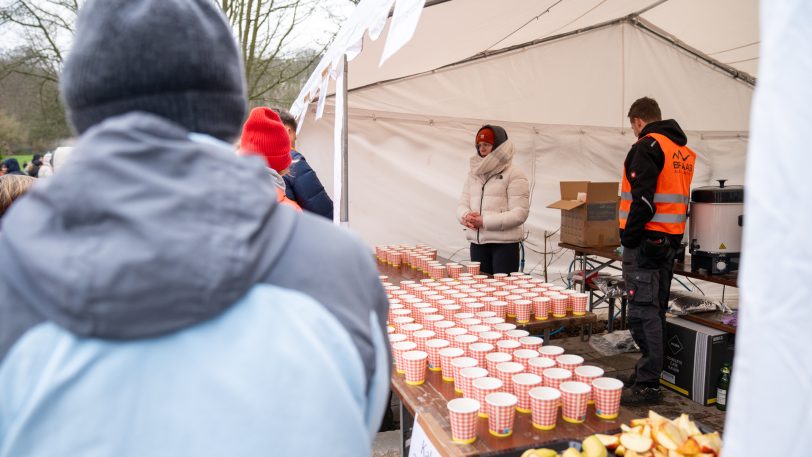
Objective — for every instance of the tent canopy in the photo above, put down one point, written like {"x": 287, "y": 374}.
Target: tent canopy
{"x": 558, "y": 75}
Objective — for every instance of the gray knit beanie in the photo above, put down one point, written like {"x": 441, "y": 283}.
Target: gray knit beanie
{"x": 173, "y": 58}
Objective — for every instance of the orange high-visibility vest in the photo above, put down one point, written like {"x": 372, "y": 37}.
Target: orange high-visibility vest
{"x": 673, "y": 192}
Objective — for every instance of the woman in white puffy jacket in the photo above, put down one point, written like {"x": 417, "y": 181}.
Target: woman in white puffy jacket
{"x": 495, "y": 203}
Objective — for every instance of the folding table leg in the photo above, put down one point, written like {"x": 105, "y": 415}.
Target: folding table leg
{"x": 406, "y": 424}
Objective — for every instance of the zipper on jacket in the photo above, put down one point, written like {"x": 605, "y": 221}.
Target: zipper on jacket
{"x": 481, "y": 199}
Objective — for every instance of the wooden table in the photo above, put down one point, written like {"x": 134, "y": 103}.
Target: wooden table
{"x": 711, "y": 319}
{"x": 430, "y": 399}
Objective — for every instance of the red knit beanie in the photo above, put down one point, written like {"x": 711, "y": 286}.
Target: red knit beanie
{"x": 264, "y": 134}
{"x": 484, "y": 135}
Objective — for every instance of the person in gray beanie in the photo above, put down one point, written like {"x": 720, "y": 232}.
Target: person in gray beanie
{"x": 150, "y": 301}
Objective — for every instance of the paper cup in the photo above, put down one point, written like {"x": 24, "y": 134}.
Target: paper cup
{"x": 579, "y": 303}
{"x": 607, "y": 397}
{"x": 479, "y": 351}
{"x": 486, "y": 315}
{"x": 522, "y": 383}
{"x": 524, "y": 356}
{"x": 587, "y": 374}
{"x": 541, "y": 308}
{"x": 469, "y": 322}
{"x": 499, "y": 307}
{"x": 478, "y": 329}
{"x": 493, "y": 320}
{"x": 462, "y": 413}
{"x": 409, "y": 329}
{"x": 415, "y": 362}
{"x": 551, "y": 352}
{"x": 574, "y": 398}
{"x": 508, "y": 346}
{"x": 483, "y": 387}
{"x": 398, "y": 349}
{"x": 544, "y": 407}
{"x": 458, "y": 364}
{"x": 553, "y": 377}
{"x": 559, "y": 305}
{"x": 433, "y": 348}
{"x": 472, "y": 267}
{"x": 569, "y": 361}
{"x": 531, "y": 342}
{"x": 400, "y": 321}
{"x": 516, "y": 334}
{"x": 431, "y": 320}
{"x": 539, "y": 364}
{"x": 420, "y": 337}
{"x": 440, "y": 328}
{"x": 467, "y": 376}
{"x": 505, "y": 372}
{"x": 523, "y": 309}
{"x": 501, "y": 413}
{"x": 504, "y": 327}
{"x": 463, "y": 341}
{"x": 446, "y": 356}
{"x": 452, "y": 333}
{"x": 495, "y": 358}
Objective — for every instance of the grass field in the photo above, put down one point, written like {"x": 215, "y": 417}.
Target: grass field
{"x": 20, "y": 158}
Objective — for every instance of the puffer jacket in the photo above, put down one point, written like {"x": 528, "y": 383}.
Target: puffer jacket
{"x": 498, "y": 191}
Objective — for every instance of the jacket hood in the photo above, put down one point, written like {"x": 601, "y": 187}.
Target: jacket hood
{"x": 146, "y": 230}
{"x": 495, "y": 162}
{"x": 668, "y": 128}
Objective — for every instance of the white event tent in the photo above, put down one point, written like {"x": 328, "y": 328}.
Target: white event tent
{"x": 559, "y": 75}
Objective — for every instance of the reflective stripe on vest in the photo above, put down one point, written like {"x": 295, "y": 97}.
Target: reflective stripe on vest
{"x": 672, "y": 193}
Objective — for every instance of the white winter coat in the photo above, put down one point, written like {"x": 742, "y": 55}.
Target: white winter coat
{"x": 500, "y": 193}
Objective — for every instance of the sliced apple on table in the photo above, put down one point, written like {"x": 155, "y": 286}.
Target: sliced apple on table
{"x": 610, "y": 441}
{"x": 689, "y": 447}
{"x": 637, "y": 443}
{"x": 571, "y": 452}
{"x": 620, "y": 450}
{"x": 592, "y": 446}
{"x": 656, "y": 419}
{"x": 709, "y": 442}
{"x": 636, "y": 429}
{"x": 669, "y": 435}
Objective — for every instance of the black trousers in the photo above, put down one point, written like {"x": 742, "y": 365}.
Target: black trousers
{"x": 496, "y": 257}
{"x": 647, "y": 272}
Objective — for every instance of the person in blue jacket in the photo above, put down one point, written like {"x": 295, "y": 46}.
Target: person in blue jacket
{"x": 157, "y": 300}
{"x": 301, "y": 183}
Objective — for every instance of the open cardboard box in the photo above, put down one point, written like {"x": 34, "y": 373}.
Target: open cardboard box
{"x": 592, "y": 222}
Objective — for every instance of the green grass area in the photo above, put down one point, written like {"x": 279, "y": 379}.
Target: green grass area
{"x": 20, "y": 158}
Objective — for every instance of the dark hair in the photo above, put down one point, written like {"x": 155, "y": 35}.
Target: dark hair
{"x": 286, "y": 118}
{"x": 646, "y": 109}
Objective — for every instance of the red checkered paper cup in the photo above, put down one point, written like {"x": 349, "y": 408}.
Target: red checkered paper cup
{"x": 452, "y": 333}
{"x": 505, "y": 372}
{"x": 522, "y": 383}
{"x": 479, "y": 351}
{"x": 479, "y": 329}
{"x": 400, "y": 321}
{"x": 541, "y": 308}
{"x": 495, "y": 358}
{"x": 469, "y": 322}
{"x": 458, "y": 364}
{"x": 486, "y": 315}
{"x": 559, "y": 305}
{"x": 504, "y": 327}
{"x": 501, "y": 413}
{"x": 524, "y": 356}
{"x": 440, "y": 328}
{"x": 409, "y": 329}
{"x": 553, "y": 377}
{"x": 472, "y": 267}
{"x": 467, "y": 376}
{"x": 523, "y": 310}
{"x": 464, "y": 341}
{"x": 454, "y": 269}
{"x": 574, "y": 398}
{"x": 400, "y": 348}
{"x": 579, "y": 302}
{"x": 446, "y": 356}
{"x": 516, "y": 334}
{"x": 551, "y": 352}
{"x": 431, "y": 320}
{"x": 433, "y": 348}
{"x": 544, "y": 407}
{"x": 490, "y": 337}
{"x": 531, "y": 342}
{"x": 539, "y": 364}
{"x": 499, "y": 307}
{"x": 569, "y": 361}
{"x": 462, "y": 413}
{"x": 415, "y": 362}
{"x": 482, "y": 387}
{"x": 508, "y": 346}
{"x": 607, "y": 397}
{"x": 420, "y": 337}
{"x": 587, "y": 374}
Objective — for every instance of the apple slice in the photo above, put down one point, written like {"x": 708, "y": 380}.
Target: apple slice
{"x": 669, "y": 435}
{"x": 636, "y": 443}
{"x": 636, "y": 422}
{"x": 709, "y": 442}
{"x": 610, "y": 441}
{"x": 656, "y": 419}
{"x": 689, "y": 447}
{"x": 626, "y": 429}
{"x": 592, "y": 446}
{"x": 620, "y": 450}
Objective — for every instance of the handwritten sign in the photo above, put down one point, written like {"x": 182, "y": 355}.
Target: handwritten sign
{"x": 421, "y": 445}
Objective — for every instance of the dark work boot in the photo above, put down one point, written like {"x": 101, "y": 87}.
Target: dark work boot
{"x": 627, "y": 379}
{"x": 639, "y": 395}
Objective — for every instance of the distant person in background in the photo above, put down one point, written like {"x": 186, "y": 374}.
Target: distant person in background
{"x": 12, "y": 167}
{"x": 302, "y": 184}
{"x": 11, "y": 188}
{"x": 46, "y": 169}
{"x": 264, "y": 135}
{"x": 495, "y": 202}
{"x": 33, "y": 168}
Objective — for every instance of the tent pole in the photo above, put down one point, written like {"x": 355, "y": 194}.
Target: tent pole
{"x": 345, "y": 219}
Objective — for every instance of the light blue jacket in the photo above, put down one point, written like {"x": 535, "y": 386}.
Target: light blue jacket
{"x": 156, "y": 301}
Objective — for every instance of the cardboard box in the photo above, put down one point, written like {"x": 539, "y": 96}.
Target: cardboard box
{"x": 694, "y": 354}
{"x": 593, "y": 222}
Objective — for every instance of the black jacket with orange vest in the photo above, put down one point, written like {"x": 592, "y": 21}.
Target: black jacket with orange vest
{"x": 643, "y": 166}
